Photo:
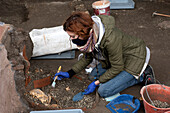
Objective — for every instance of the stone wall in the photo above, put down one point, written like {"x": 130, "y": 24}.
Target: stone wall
{"x": 10, "y": 100}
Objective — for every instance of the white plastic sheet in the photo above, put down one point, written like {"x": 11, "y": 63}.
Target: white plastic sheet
{"x": 50, "y": 41}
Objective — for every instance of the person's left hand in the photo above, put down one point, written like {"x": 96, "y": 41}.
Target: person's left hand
{"x": 90, "y": 88}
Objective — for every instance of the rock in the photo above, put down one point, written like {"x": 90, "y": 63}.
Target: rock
{"x": 18, "y": 67}
{"x": 10, "y": 100}
{"x": 164, "y": 24}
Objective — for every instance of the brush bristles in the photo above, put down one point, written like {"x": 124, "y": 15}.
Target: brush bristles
{"x": 53, "y": 84}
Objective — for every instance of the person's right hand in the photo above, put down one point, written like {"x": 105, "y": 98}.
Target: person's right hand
{"x": 90, "y": 88}
{"x": 61, "y": 75}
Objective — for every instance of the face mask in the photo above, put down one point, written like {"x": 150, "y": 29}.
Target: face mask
{"x": 79, "y": 42}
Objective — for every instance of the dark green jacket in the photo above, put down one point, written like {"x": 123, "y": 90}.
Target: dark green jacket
{"x": 121, "y": 52}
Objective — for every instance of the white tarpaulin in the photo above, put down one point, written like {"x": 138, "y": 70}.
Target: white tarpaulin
{"x": 50, "y": 41}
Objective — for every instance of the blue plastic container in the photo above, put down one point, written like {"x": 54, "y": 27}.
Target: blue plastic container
{"x": 60, "y": 111}
{"x": 124, "y": 103}
{"x": 122, "y": 4}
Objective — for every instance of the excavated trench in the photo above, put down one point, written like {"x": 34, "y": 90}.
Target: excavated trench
{"x": 62, "y": 94}
{"x": 58, "y": 97}
{"x": 46, "y": 97}
{"x": 16, "y": 13}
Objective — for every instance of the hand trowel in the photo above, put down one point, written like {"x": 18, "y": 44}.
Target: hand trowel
{"x": 78, "y": 96}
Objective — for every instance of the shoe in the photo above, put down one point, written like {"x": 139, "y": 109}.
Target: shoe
{"x": 149, "y": 77}
{"x": 148, "y": 70}
{"x": 149, "y": 80}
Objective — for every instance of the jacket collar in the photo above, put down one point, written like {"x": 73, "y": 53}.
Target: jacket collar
{"x": 100, "y": 30}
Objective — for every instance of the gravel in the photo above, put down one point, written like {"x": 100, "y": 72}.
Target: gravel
{"x": 64, "y": 91}
{"x": 160, "y": 104}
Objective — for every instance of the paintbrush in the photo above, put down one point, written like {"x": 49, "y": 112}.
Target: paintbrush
{"x": 53, "y": 84}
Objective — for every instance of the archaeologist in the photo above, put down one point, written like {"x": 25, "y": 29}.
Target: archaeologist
{"x": 122, "y": 58}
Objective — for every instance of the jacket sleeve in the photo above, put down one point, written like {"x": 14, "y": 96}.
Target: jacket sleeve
{"x": 115, "y": 57}
{"x": 82, "y": 63}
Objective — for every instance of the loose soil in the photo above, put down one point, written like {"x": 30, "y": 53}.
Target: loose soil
{"x": 64, "y": 91}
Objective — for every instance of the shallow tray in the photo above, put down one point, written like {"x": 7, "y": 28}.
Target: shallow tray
{"x": 122, "y": 4}
{"x": 60, "y": 111}
{"x": 63, "y": 55}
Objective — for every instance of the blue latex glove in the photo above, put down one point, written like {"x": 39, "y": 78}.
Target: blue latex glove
{"x": 90, "y": 88}
{"x": 61, "y": 75}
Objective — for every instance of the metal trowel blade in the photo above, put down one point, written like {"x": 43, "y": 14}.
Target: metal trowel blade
{"x": 78, "y": 96}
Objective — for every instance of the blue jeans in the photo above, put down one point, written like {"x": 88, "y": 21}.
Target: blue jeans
{"x": 120, "y": 82}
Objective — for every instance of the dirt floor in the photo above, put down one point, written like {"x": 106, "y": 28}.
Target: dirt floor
{"x": 139, "y": 22}
{"x": 64, "y": 91}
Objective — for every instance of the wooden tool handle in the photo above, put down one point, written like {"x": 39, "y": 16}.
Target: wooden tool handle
{"x": 55, "y": 78}
{"x": 163, "y": 15}
{"x": 155, "y": 13}
{"x": 59, "y": 69}
{"x": 57, "y": 72}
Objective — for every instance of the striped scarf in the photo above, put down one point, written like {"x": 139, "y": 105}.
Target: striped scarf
{"x": 90, "y": 45}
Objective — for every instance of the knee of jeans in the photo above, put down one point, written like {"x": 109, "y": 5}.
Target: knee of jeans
{"x": 102, "y": 91}
{"x": 93, "y": 72}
